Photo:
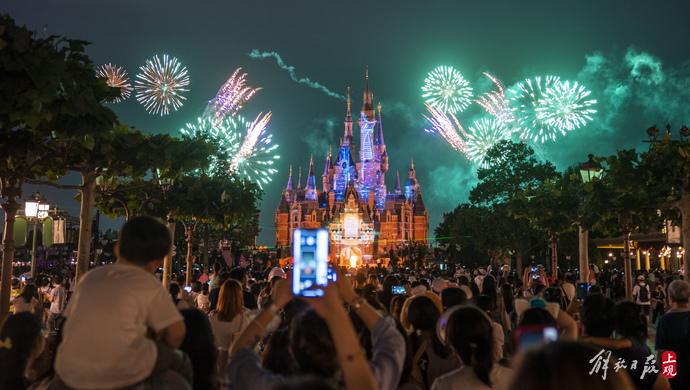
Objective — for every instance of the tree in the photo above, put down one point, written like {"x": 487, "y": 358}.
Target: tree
{"x": 551, "y": 208}
{"x": 31, "y": 72}
{"x": 226, "y": 204}
{"x": 619, "y": 204}
{"x": 512, "y": 171}
{"x": 666, "y": 168}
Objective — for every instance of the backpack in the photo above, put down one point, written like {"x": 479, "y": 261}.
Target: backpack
{"x": 644, "y": 293}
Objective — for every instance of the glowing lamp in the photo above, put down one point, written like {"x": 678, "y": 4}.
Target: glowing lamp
{"x": 31, "y": 208}
{"x": 590, "y": 170}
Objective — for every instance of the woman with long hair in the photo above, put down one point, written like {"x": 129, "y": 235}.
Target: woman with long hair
{"x": 198, "y": 344}
{"x": 427, "y": 358}
{"x": 27, "y": 301}
{"x": 470, "y": 334}
{"x": 498, "y": 312}
{"x": 21, "y": 342}
{"x": 229, "y": 319}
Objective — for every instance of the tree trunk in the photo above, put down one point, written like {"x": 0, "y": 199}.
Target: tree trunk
{"x": 189, "y": 236}
{"x": 627, "y": 267}
{"x": 584, "y": 254}
{"x": 518, "y": 264}
{"x": 167, "y": 261}
{"x": 204, "y": 258}
{"x": 88, "y": 199}
{"x": 685, "y": 230}
{"x": 554, "y": 257}
{"x": 10, "y": 208}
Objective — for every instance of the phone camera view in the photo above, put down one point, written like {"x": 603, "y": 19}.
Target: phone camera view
{"x": 398, "y": 290}
{"x": 310, "y": 253}
{"x": 534, "y": 337}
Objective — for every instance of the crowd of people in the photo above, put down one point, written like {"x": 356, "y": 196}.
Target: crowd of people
{"x": 374, "y": 328}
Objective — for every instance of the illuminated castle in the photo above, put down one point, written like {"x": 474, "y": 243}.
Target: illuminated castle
{"x": 364, "y": 218}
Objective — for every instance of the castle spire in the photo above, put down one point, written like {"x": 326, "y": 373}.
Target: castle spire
{"x": 299, "y": 179}
{"x": 327, "y": 166}
{"x": 378, "y": 136}
{"x": 349, "y": 114}
{"x": 289, "y": 183}
{"x": 347, "y": 139}
{"x": 310, "y": 193}
{"x": 413, "y": 175}
{"x": 398, "y": 190}
{"x": 367, "y": 105}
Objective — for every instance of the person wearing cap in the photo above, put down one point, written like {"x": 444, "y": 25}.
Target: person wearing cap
{"x": 642, "y": 295}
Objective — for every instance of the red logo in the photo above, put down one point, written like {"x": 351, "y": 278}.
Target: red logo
{"x": 668, "y": 364}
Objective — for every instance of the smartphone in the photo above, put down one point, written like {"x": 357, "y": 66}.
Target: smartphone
{"x": 582, "y": 291}
{"x": 398, "y": 290}
{"x": 534, "y": 336}
{"x": 535, "y": 272}
{"x": 188, "y": 288}
{"x": 310, "y": 254}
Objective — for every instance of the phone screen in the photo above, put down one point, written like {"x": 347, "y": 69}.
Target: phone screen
{"x": 188, "y": 288}
{"x": 532, "y": 336}
{"x": 398, "y": 290}
{"x": 310, "y": 253}
{"x": 582, "y": 291}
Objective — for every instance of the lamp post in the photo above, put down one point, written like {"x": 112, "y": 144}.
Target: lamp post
{"x": 166, "y": 184}
{"x": 589, "y": 171}
{"x": 35, "y": 211}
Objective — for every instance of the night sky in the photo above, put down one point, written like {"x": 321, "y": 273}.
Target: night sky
{"x": 598, "y": 43}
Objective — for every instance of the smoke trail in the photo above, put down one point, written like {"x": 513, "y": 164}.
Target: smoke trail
{"x": 256, "y": 54}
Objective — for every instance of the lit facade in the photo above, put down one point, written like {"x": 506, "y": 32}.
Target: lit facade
{"x": 365, "y": 219}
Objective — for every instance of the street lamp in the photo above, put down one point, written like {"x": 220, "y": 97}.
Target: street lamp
{"x": 589, "y": 171}
{"x": 35, "y": 212}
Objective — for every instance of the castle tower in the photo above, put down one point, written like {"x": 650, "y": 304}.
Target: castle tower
{"x": 397, "y": 190}
{"x": 299, "y": 179}
{"x": 310, "y": 191}
{"x": 411, "y": 186}
{"x": 327, "y": 177}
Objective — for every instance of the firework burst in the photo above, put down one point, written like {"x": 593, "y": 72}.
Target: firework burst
{"x": 116, "y": 77}
{"x": 226, "y": 134}
{"x": 231, "y": 96}
{"x": 566, "y": 106}
{"x": 161, "y": 83}
{"x": 483, "y": 135}
{"x": 495, "y": 102}
{"x": 448, "y": 127}
{"x": 525, "y": 100}
{"x": 247, "y": 146}
{"x": 257, "y": 154}
{"x": 447, "y": 90}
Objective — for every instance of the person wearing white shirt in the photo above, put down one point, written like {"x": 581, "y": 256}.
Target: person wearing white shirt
{"x": 106, "y": 340}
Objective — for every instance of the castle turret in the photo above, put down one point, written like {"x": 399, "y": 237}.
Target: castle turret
{"x": 310, "y": 190}
{"x": 411, "y": 186}
{"x": 299, "y": 179}
{"x": 397, "y": 190}
{"x": 289, "y": 187}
